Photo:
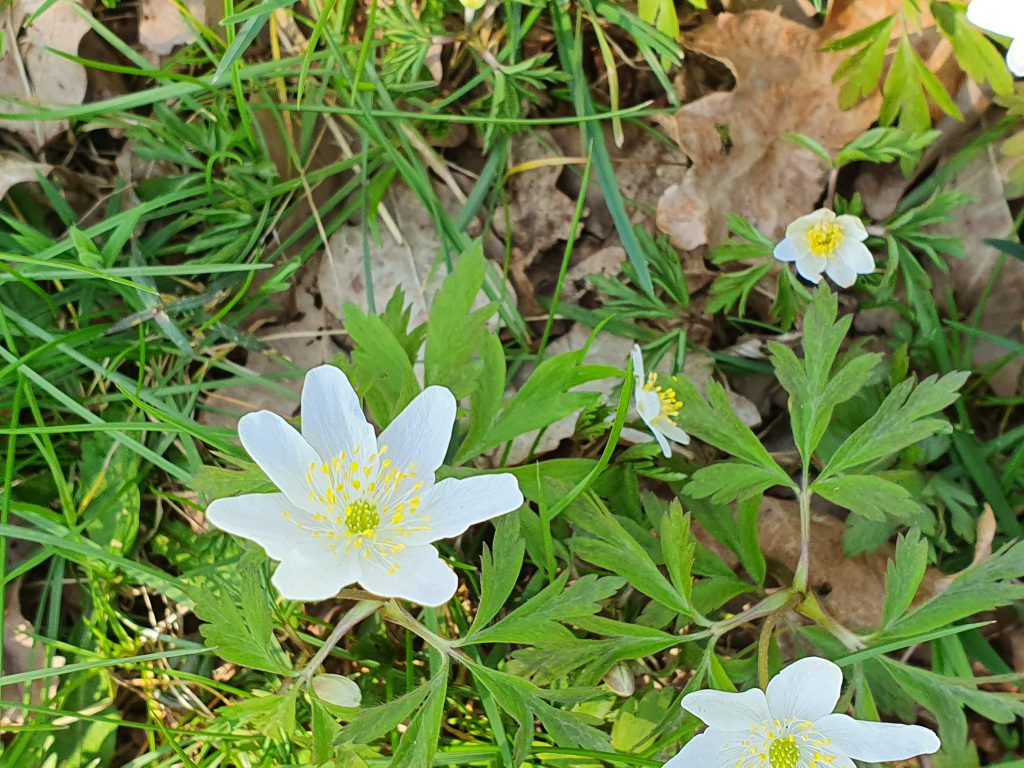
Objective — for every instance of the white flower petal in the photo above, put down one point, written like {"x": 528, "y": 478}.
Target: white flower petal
{"x": 311, "y": 572}
{"x": 453, "y": 505}
{"x": 674, "y": 433}
{"x": 840, "y": 274}
{"x": 1015, "y": 53}
{"x": 876, "y": 742}
{"x": 332, "y": 420}
{"x": 856, "y": 256}
{"x": 260, "y": 517}
{"x": 421, "y": 577}
{"x": 807, "y": 689}
{"x": 810, "y": 268}
{"x": 666, "y": 449}
{"x": 421, "y": 433}
{"x": 281, "y": 452}
{"x": 786, "y": 251}
{"x": 711, "y": 749}
{"x": 1003, "y": 17}
{"x": 648, "y": 405}
{"x": 853, "y": 227}
{"x": 797, "y": 230}
{"x": 728, "y": 711}
{"x": 638, "y": 365}
{"x": 635, "y": 436}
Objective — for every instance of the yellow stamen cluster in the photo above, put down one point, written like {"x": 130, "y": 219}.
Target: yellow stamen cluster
{"x": 789, "y": 743}
{"x": 364, "y": 503}
{"x": 670, "y": 404}
{"x": 824, "y": 238}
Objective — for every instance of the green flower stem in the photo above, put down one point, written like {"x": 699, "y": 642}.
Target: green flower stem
{"x": 358, "y": 612}
{"x": 811, "y": 608}
{"x": 764, "y": 644}
{"x": 800, "y": 578}
{"x": 396, "y": 614}
{"x": 780, "y": 601}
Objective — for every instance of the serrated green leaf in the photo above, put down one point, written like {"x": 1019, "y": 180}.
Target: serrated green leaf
{"x": 868, "y": 495}
{"x": 212, "y": 482}
{"x": 380, "y": 369}
{"x": 572, "y": 729}
{"x": 373, "y": 722}
{"x": 242, "y": 629}
{"x": 901, "y": 420}
{"x": 499, "y": 571}
{"x": 729, "y": 481}
{"x": 454, "y": 331}
{"x": 419, "y": 742}
{"x": 538, "y": 619}
{"x": 486, "y": 398}
{"x": 679, "y": 549}
{"x": 273, "y": 715}
{"x": 904, "y": 575}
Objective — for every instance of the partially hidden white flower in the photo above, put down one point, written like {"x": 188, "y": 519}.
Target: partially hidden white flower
{"x": 823, "y": 242}
{"x": 791, "y": 725}
{"x": 355, "y": 507}
{"x": 657, "y": 406}
{"x": 1006, "y": 18}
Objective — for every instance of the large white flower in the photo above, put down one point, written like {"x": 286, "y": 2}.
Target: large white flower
{"x": 823, "y": 242}
{"x": 1002, "y": 17}
{"x": 791, "y": 725}
{"x": 355, "y": 507}
{"x": 657, "y": 406}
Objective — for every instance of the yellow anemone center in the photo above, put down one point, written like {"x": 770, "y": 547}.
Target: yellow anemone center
{"x": 784, "y": 753}
{"x": 670, "y": 404}
{"x": 361, "y": 517}
{"x": 824, "y": 238}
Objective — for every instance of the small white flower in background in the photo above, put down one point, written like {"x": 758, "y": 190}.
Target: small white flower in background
{"x": 355, "y": 507}
{"x": 791, "y": 725}
{"x": 1006, "y": 18}
{"x": 823, "y": 242}
{"x": 657, "y": 406}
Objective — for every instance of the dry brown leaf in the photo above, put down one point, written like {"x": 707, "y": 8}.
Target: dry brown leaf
{"x": 15, "y": 169}
{"x": 986, "y": 217}
{"x": 163, "y": 27}
{"x": 34, "y": 74}
{"x": 741, "y": 162}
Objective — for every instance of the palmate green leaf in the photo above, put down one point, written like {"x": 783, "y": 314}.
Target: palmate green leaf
{"x": 572, "y": 729}
{"x": 499, "y": 571}
{"x": 380, "y": 369}
{"x": 863, "y": 70}
{"x": 814, "y": 391}
{"x": 242, "y": 629}
{"x": 903, "y": 418}
{"x": 885, "y": 145}
{"x": 981, "y": 587}
{"x": 454, "y": 331}
{"x": 904, "y": 575}
{"x": 869, "y": 495}
{"x": 679, "y": 549}
{"x": 538, "y": 619}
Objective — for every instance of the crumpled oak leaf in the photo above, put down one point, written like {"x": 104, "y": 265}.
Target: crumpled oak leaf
{"x": 740, "y": 161}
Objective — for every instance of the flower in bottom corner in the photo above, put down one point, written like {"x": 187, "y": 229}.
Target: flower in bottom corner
{"x": 824, "y": 242}
{"x": 354, "y": 506}
{"x": 657, "y": 406}
{"x": 1002, "y": 17}
{"x": 791, "y": 725}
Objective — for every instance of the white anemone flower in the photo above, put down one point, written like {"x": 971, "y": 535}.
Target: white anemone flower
{"x": 1006, "y": 18}
{"x": 657, "y": 406}
{"x": 354, "y": 506}
{"x": 791, "y": 725}
{"x": 823, "y": 242}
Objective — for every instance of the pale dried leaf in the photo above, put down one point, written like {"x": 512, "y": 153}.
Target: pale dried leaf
{"x": 34, "y": 74}
{"x": 741, "y": 162}
{"x": 163, "y": 26}
{"x": 986, "y": 217}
